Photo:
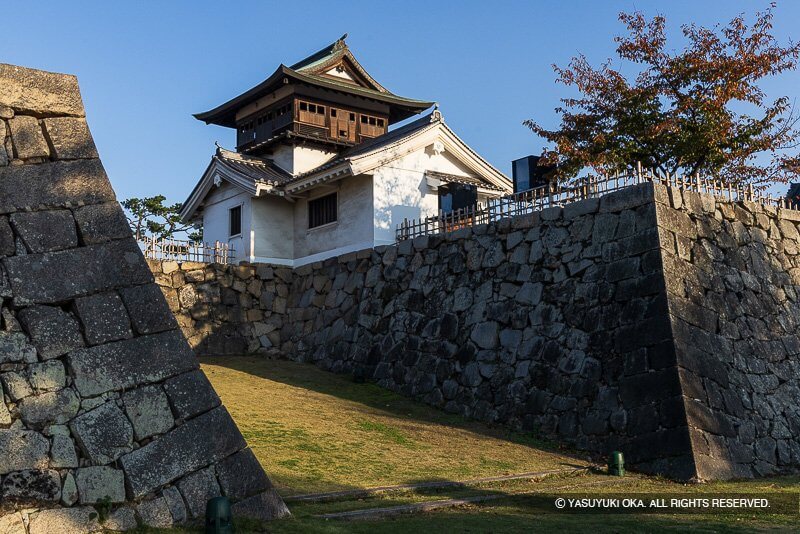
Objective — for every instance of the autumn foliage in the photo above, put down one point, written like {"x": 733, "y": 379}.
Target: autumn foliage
{"x": 699, "y": 110}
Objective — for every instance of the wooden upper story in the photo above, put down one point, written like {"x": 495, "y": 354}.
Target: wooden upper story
{"x": 312, "y": 119}
{"x": 327, "y": 97}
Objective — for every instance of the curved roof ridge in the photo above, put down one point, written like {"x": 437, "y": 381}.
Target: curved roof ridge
{"x": 306, "y": 62}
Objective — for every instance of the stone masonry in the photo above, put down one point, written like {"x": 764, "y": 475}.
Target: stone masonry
{"x": 101, "y": 399}
{"x": 652, "y": 320}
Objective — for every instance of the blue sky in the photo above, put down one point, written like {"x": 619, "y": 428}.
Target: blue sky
{"x": 145, "y": 67}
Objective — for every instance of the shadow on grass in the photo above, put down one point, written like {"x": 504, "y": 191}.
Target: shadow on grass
{"x": 310, "y": 377}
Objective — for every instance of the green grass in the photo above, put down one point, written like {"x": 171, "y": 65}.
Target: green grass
{"x": 386, "y": 432}
{"x": 314, "y": 431}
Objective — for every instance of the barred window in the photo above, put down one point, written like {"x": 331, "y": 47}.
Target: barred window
{"x": 322, "y": 210}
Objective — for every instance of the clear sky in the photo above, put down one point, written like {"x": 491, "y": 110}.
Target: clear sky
{"x": 145, "y": 67}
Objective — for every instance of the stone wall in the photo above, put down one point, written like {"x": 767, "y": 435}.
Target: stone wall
{"x": 733, "y": 275}
{"x": 655, "y": 321}
{"x": 226, "y": 309}
{"x": 554, "y": 323}
{"x": 101, "y": 398}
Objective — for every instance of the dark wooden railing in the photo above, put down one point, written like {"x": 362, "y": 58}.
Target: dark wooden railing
{"x": 552, "y": 194}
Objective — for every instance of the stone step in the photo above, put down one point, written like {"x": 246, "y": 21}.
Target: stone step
{"x": 366, "y": 492}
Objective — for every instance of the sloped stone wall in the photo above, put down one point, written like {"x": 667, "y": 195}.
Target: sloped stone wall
{"x": 101, "y": 398}
{"x": 733, "y": 276}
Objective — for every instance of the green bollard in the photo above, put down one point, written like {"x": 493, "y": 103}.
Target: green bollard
{"x": 219, "y": 519}
{"x": 616, "y": 464}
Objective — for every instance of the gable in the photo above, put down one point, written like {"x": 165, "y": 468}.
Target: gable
{"x": 347, "y": 69}
{"x": 340, "y": 72}
{"x": 446, "y": 163}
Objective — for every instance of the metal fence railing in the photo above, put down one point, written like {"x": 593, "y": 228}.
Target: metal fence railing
{"x": 155, "y": 248}
{"x": 554, "y": 194}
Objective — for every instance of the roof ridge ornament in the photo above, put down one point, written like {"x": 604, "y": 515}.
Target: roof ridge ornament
{"x": 339, "y": 44}
{"x": 436, "y": 115}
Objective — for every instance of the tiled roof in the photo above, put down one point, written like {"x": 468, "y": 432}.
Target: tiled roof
{"x": 309, "y": 71}
{"x": 458, "y": 179}
{"x": 258, "y": 169}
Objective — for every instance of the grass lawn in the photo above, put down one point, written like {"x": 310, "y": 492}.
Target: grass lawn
{"x": 316, "y": 432}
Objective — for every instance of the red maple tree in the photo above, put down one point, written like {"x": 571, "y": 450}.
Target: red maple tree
{"x": 696, "y": 111}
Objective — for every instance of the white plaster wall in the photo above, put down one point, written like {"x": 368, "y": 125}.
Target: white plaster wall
{"x": 273, "y": 229}
{"x": 299, "y": 159}
{"x": 401, "y": 190}
{"x": 339, "y": 74}
{"x": 215, "y": 218}
{"x": 354, "y": 224}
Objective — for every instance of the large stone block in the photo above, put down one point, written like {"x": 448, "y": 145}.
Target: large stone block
{"x": 630, "y": 197}
{"x": 31, "y": 487}
{"x": 59, "y": 184}
{"x": 262, "y": 507}
{"x": 204, "y": 439}
{"x": 98, "y": 483}
{"x": 47, "y": 376}
{"x": 177, "y": 508}
{"x": 46, "y": 231}
{"x": 39, "y": 92}
{"x": 101, "y": 222}
{"x": 54, "y": 332}
{"x": 197, "y": 489}
{"x": 148, "y": 409}
{"x": 62, "y": 452}
{"x": 104, "y": 433}
{"x": 104, "y": 318}
{"x": 70, "y": 138}
{"x": 28, "y": 139}
{"x": 129, "y": 363}
{"x": 148, "y": 309}
{"x": 16, "y": 385}
{"x": 64, "y": 521}
{"x": 240, "y": 475}
{"x": 191, "y": 394}
{"x": 22, "y": 449}
{"x": 76, "y": 272}
{"x": 15, "y": 347}
{"x": 12, "y": 524}
{"x": 155, "y": 513}
{"x": 55, "y": 407}
{"x": 121, "y": 519}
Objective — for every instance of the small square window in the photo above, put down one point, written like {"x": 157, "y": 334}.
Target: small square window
{"x": 364, "y": 119}
{"x": 372, "y": 121}
{"x": 322, "y": 211}
{"x": 352, "y": 117}
{"x": 342, "y": 133}
{"x": 380, "y": 123}
{"x": 303, "y": 106}
{"x": 333, "y": 112}
{"x": 321, "y": 110}
{"x": 235, "y": 221}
